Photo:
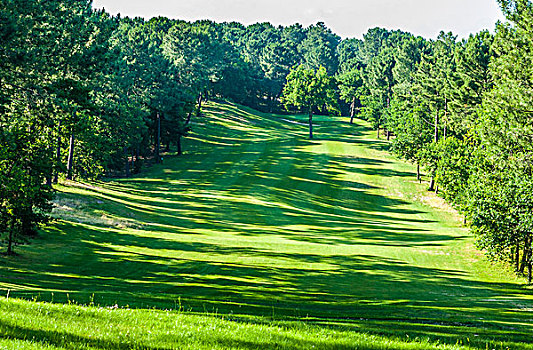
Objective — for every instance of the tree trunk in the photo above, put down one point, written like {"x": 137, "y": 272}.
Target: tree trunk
{"x": 51, "y": 170}
{"x": 58, "y": 161}
{"x": 352, "y": 110}
{"x": 179, "y": 146}
{"x": 128, "y": 169}
{"x": 378, "y": 131}
{"x": 525, "y": 255}
{"x": 199, "y": 101}
{"x": 310, "y": 123}
{"x": 137, "y": 165}
{"x": 158, "y": 140}
{"x": 517, "y": 256}
{"x": 529, "y": 260}
{"x": 445, "y": 117}
{"x": 70, "y": 162}
{"x": 437, "y": 126}
{"x": 418, "y": 177}
{"x": 529, "y": 273}
{"x": 388, "y": 135}
{"x": 10, "y": 238}
{"x": 58, "y": 154}
{"x": 432, "y": 184}
{"x": 188, "y": 119}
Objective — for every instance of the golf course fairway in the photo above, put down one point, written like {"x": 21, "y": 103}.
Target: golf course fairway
{"x": 260, "y": 238}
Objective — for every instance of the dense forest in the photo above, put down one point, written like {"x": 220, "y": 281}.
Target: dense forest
{"x": 84, "y": 94}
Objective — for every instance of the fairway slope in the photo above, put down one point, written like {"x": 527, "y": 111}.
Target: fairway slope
{"x": 257, "y": 222}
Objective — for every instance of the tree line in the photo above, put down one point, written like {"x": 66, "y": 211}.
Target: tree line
{"x": 86, "y": 94}
{"x": 463, "y": 110}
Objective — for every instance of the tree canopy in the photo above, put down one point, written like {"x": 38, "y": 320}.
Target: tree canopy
{"x": 309, "y": 89}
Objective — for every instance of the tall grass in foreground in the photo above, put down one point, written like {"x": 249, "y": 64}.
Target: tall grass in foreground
{"x": 36, "y": 325}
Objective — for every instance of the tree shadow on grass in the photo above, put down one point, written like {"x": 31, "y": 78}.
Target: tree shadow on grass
{"x": 264, "y": 192}
{"x": 334, "y": 290}
{"x": 125, "y": 267}
{"x": 282, "y": 212}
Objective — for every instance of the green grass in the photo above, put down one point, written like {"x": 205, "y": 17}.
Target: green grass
{"x": 291, "y": 242}
{"x": 39, "y": 326}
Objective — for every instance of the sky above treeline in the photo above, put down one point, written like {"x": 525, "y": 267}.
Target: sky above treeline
{"x": 347, "y": 18}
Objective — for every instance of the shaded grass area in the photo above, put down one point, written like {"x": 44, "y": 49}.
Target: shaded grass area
{"x": 257, "y": 221}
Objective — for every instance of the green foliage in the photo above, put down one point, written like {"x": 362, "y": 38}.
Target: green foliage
{"x": 411, "y": 130}
{"x": 379, "y": 82}
{"x": 503, "y": 217}
{"x": 197, "y": 52}
{"x": 307, "y": 89}
{"x": 24, "y": 199}
{"x": 350, "y": 85}
{"x": 463, "y": 110}
{"x": 319, "y": 48}
{"x": 454, "y": 168}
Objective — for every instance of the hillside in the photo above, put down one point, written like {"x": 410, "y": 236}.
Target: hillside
{"x": 256, "y": 223}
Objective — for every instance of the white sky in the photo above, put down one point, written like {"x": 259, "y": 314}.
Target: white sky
{"x": 346, "y": 18}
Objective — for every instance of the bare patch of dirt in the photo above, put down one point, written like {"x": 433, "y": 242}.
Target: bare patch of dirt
{"x": 79, "y": 211}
